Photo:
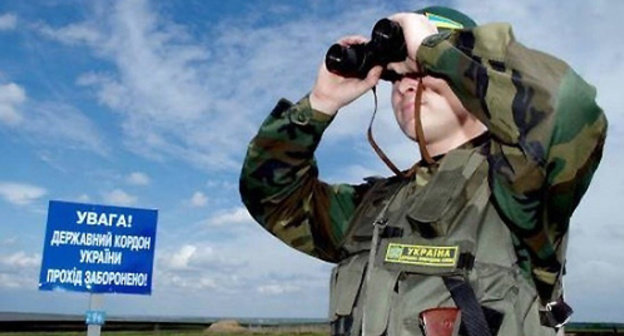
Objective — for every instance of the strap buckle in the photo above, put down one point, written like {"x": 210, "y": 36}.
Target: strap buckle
{"x": 556, "y": 314}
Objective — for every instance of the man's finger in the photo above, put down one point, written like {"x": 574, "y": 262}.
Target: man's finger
{"x": 352, "y": 39}
{"x": 373, "y": 75}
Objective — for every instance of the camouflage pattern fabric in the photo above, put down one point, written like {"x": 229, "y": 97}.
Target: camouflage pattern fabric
{"x": 547, "y": 137}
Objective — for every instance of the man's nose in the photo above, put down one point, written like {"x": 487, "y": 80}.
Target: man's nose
{"x": 407, "y": 84}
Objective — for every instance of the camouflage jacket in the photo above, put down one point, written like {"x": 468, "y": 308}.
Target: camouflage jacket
{"x": 547, "y": 135}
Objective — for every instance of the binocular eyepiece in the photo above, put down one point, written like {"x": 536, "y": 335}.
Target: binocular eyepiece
{"x": 387, "y": 45}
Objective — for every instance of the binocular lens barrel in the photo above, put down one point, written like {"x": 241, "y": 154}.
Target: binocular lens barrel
{"x": 388, "y": 39}
{"x": 387, "y": 45}
{"x": 348, "y": 61}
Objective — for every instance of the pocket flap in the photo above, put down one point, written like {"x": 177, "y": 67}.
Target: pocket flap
{"x": 379, "y": 297}
{"x": 455, "y": 171}
{"x": 347, "y": 280}
{"x": 432, "y": 203}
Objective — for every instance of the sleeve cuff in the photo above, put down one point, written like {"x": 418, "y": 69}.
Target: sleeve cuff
{"x": 302, "y": 113}
{"x": 314, "y": 114}
{"x": 432, "y": 47}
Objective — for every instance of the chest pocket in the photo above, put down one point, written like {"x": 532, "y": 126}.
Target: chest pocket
{"x": 346, "y": 285}
{"x": 346, "y": 280}
{"x": 436, "y": 208}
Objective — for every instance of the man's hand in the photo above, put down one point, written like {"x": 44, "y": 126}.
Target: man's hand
{"x": 331, "y": 92}
{"x": 416, "y": 27}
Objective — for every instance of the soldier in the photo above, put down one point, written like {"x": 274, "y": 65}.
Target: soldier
{"x": 472, "y": 239}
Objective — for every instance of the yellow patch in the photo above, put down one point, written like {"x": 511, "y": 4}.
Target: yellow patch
{"x": 422, "y": 255}
{"x": 442, "y": 22}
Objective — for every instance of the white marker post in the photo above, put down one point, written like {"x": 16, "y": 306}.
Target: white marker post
{"x": 95, "y": 316}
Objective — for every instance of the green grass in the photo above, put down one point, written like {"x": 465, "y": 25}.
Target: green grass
{"x": 154, "y": 333}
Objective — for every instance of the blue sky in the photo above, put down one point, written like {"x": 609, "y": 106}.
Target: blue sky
{"x": 152, "y": 104}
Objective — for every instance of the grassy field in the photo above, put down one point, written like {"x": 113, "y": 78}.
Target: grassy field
{"x": 155, "y": 333}
{"x": 202, "y": 333}
{"x": 585, "y": 330}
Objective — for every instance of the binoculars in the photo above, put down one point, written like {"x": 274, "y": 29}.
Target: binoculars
{"x": 387, "y": 45}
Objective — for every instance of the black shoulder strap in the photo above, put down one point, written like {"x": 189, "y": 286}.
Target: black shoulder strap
{"x": 472, "y": 316}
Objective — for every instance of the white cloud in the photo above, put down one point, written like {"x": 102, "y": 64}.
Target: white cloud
{"x": 52, "y": 159}
{"x": 191, "y": 283}
{"x": 20, "y": 193}
{"x": 119, "y": 197}
{"x": 48, "y": 123}
{"x": 221, "y": 185}
{"x": 20, "y": 260}
{"x": 83, "y": 198}
{"x": 138, "y": 178}
{"x": 8, "y": 21}
{"x": 159, "y": 87}
{"x": 278, "y": 289}
{"x": 11, "y": 281}
{"x": 18, "y": 270}
{"x": 353, "y": 174}
{"x": 180, "y": 259}
{"x": 242, "y": 266}
{"x": 232, "y": 255}
{"x": 232, "y": 217}
{"x": 197, "y": 257}
{"x": 8, "y": 241}
{"x": 171, "y": 88}
{"x": 71, "y": 34}
{"x": 198, "y": 199}
{"x": 11, "y": 96}
{"x": 59, "y": 124}
{"x": 199, "y": 266}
